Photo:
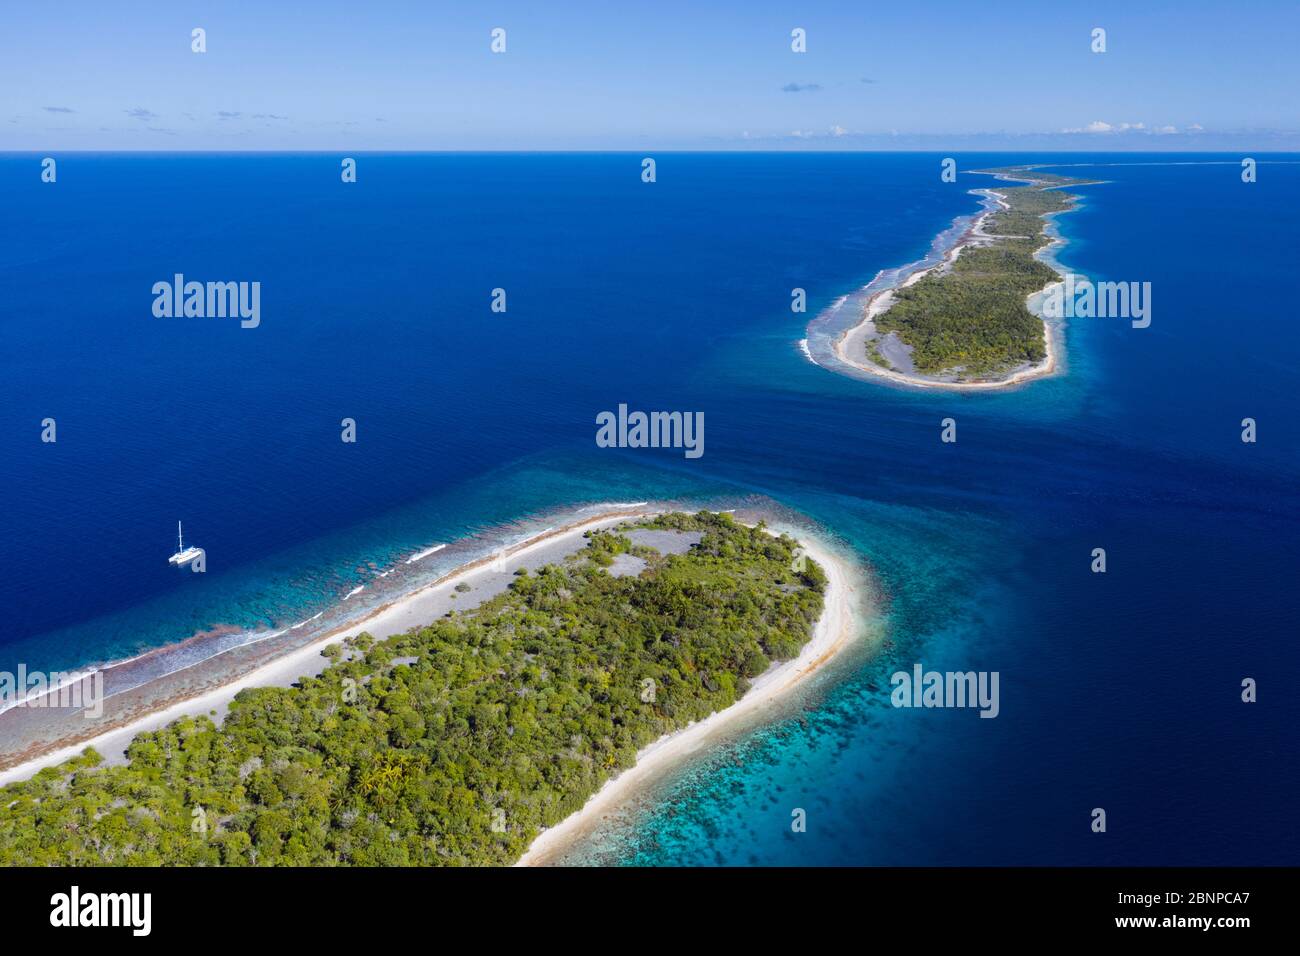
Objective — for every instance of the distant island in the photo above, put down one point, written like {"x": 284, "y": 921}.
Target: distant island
{"x": 459, "y": 741}
{"x": 965, "y": 322}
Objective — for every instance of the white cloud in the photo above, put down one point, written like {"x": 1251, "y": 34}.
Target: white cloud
{"x": 1101, "y": 126}
{"x": 1096, "y": 126}
{"x": 1195, "y": 128}
{"x": 838, "y": 130}
{"x": 1164, "y": 130}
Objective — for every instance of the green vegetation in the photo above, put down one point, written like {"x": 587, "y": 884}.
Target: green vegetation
{"x": 874, "y": 353}
{"x": 453, "y": 743}
{"x": 973, "y": 316}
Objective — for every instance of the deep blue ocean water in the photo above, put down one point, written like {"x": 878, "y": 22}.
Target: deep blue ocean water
{"x": 1118, "y": 691}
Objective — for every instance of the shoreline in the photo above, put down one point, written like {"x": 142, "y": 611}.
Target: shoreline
{"x": 835, "y": 630}
{"x": 401, "y": 612}
{"x": 838, "y": 627}
{"x": 851, "y": 343}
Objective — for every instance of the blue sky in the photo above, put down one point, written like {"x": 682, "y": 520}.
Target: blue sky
{"x": 633, "y": 75}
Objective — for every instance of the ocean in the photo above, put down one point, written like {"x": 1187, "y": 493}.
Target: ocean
{"x": 1119, "y": 691}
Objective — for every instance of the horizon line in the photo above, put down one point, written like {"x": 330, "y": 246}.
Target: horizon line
{"x": 642, "y": 152}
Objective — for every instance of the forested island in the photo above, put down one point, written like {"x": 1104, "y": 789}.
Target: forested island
{"x": 454, "y": 743}
{"x": 967, "y": 319}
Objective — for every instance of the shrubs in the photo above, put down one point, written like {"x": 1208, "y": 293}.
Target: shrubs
{"x": 507, "y": 719}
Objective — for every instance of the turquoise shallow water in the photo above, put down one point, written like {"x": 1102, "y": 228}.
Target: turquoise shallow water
{"x": 1117, "y": 690}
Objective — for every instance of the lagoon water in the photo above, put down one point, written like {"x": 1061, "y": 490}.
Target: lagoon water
{"x": 1119, "y": 691}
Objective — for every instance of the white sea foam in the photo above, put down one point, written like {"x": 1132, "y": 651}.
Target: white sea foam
{"x": 255, "y": 637}
{"x": 425, "y": 553}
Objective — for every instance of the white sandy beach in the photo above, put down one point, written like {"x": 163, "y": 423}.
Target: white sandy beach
{"x": 835, "y": 630}
{"x": 850, "y": 345}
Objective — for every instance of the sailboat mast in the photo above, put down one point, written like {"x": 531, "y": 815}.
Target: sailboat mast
{"x": 180, "y": 542}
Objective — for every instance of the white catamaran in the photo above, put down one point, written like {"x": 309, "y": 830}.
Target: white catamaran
{"x": 183, "y": 555}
